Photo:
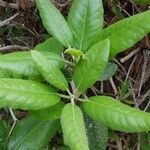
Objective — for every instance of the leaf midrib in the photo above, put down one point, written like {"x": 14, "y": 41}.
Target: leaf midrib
{"x": 84, "y": 27}
{"x": 76, "y": 125}
{"x": 109, "y": 107}
{"x": 29, "y": 91}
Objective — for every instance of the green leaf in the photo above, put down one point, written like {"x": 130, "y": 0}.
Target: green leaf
{"x": 109, "y": 71}
{"x": 73, "y": 128}
{"x": 49, "y": 71}
{"x": 32, "y": 134}
{"x": 86, "y": 21}
{"x": 21, "y": 65}
{"x": 50, "y": 113}
{"x": 25, "y": 94}
{"x": 116, "y": 115}
{"x": 145, "y": 141}
{"x": 88, "y": 70}
{"x": 3, "y": 134}
{"x": 97, "y": 134}
{"x": 51, "y": 45}
{"x": 142, "y": 1}
{"x": 127, "y": 32}
{"x": 54, "y": 22}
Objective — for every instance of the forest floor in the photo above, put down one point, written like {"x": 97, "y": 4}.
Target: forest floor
{"x": 21, "y": 29}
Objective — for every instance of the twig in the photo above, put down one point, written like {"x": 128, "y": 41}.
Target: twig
{"x": 147, "y": 106}
{"x": 135, "y": 6}
{"x": 143, "y": 74}
{"x": 93, "y": 90}
{"x": 13, "y": 115}
{"x": 10, "y": 5}
{"x": 120, "y": 65}
{"x": 14, "y": 123}
{"x": 130, "y": 55}
{"x": 113, "y": 86}
{"x": 102, "y": 86}
{"x": 11, "y": 48}
{"x": 5, "y": 22}
{"x": 134, "y": 98}
{"x": 130, "y": 67}
{"x": 139, "y": 142}
{"x": 119, "y": 145}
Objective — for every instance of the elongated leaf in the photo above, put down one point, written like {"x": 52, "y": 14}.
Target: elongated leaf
{"x": 109, "y": 71}
{"x": 50, "y": 113}
{"x": 88, "y": 70}
{"x": 142, "y": 1}
{"x": 97, "y": 134}
{"x": 32, "y": 134}
{"x": 3, "y": 135}
{"x": 49, "y": 71}
{"x": 51, "y": 45}
{"x": 21, "y": 65}
{"x": 24, "y": 94}
{"x": 54, "y": 22}
{"x": 127, "y": 32}
{"x": 86, "y": 21}
{"x": 73, "y": 128}
{"x": 116, "y": 115}
{"x": 145, "y": 141}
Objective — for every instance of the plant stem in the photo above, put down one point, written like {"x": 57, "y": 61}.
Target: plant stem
{"x": 82, "y": 100}
{"x": 64, "y": 96}
{"x": 72, "y": 101}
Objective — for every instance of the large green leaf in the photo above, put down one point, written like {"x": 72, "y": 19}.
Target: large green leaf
{"x": 32, "y": 134}
{"x": 73, "y": 128}
{"x": 51, "y": 113}
{"x": 142, "y": 1}
{"x": 25, "y": 94}
{"x": 54, "y": 22}
{"x": 97, "y": 134}
{"x": 21, "y": 65}
{"x": 88, "y": 70}
{"x": 86, "y": 21}
{"x": 127, "y": 32}
{"x": 51, "y": 45}
{"x": 50, "y": 71}
{"x": 116, "y": 115}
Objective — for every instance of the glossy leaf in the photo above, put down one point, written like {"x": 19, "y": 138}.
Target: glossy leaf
{"x": 54, "y": 22}
{"x": 51, "y": 45}
{"x": 116, "y": 115}
{"x": 50, "y": 113}
{"x": 109, "y": 71}
{"x": 86, "y": 21}
{"x": 97, "y": 134}
{"x": 25, "y": 94}
{"x": 142, "y": 1}
{"x": 49, "y": 71}
{"x": 21, "y": 65}
{"x": 33, "y": 134}
{"x": 73, "y": 128}
{"x": 127, "y": 32}
{"x": 88, "y": 70}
